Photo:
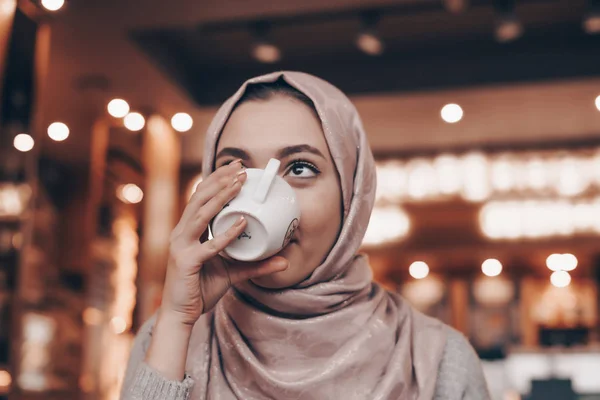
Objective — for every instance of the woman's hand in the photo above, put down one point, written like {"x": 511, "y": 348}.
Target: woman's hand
{"x": 197, "y": 277}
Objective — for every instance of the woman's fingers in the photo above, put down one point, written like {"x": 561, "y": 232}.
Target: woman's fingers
{"x": 209, "y": 188}
{"x": 213, "y": 247}
{"x": 198, "y": 224}
{"x": 246, "y": 271}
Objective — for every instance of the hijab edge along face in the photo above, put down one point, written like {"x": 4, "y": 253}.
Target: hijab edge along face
{"x": 350, "y": 152}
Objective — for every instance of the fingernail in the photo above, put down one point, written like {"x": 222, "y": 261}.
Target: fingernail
{"x": 242, "y": 172}
{"x": 234, "y": 162}
{"x": 239, "y": 221}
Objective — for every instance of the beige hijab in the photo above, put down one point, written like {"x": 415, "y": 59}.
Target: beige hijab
{"x": 337, "y": 335}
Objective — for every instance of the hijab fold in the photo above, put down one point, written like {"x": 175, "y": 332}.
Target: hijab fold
{"x": 336, "y": 335}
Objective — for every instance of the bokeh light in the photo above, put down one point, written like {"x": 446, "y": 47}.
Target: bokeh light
{"x": 491, "y": 267}
{"x": 182, "y": 122}
{"x": 130, "y": 193}
{"x": 53, "y": 5}
{"x": 23, "y": 142}
{"x": 58, "y": 131}
{"x": 118, "y": 108}
{"x": 418, "y": 270}
{"x": 134, "y": 121}
{"x": 452, "y": 113}
{"x": 560, "y": 279}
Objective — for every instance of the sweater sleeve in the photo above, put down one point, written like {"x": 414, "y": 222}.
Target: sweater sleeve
{"x": 460, "y": 375}
{"x": 141, "y": 382}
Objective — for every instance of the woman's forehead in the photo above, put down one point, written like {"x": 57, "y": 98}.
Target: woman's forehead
{"x": 269, "y": 126}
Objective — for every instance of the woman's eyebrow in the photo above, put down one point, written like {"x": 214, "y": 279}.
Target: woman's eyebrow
{"x": 233, "y": 152}
{"x": 301, "y": 148}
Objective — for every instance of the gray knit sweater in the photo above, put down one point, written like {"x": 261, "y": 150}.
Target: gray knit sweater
{"x": 460, "y": 376}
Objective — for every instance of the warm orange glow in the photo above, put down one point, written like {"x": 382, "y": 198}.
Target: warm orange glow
{"x": 118, "y": 325}
{"x": 92, "y": 316}
{"x": 369, "y": 43}
{"x": 266, "y": 53}
{"x": 5, "y": 379}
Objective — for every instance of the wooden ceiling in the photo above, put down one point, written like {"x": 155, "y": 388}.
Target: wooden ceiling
{"x": 427, "y": 48}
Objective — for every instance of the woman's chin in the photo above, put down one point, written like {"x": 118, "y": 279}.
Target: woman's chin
{"x": 291, "y": 276}
{"x": 277, "y": 280}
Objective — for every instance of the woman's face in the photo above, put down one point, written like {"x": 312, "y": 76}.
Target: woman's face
{"x": 286, "y": 129}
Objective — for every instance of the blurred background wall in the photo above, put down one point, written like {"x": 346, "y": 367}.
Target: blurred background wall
{"x": 484, "y": 116}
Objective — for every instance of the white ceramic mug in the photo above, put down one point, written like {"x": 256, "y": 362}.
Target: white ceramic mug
{"x": 271, "y": 210}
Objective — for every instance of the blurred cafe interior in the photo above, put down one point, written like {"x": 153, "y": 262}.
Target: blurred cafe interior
{"x": 483, "y": 115}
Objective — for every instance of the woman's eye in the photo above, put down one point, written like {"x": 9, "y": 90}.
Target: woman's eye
{"x": 302, "y": 169}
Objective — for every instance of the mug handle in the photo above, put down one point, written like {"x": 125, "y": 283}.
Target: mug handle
{"x": 262, "y": 189}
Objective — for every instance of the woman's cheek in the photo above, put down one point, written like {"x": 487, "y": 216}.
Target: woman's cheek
{"x": 318, "y": 208}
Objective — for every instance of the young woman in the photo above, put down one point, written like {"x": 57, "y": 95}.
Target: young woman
{"x": 308, "y": 323}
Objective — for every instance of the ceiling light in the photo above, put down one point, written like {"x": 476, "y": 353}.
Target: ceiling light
{"x": 53, "y": 5}
{"x": 118, "y": 108}
{"x": 182, "y": 122}
{"x": 508, "y": 29}
{"x": 452, "y": 113}
{"x": 266, "y": 52}
{"x": 134, "y": 121}
{"x": 23, "y": 142}
{"x": 368, "y": 41}
{"x": 263, "y": 49}
{"x": 456, "y": 6}
{"x": 508, "y": 26}
{"x": 58, "y": 131}
{"x": 598, "y": 103}
{"x": 591, "y": 22}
